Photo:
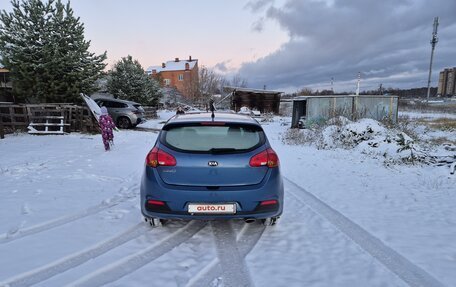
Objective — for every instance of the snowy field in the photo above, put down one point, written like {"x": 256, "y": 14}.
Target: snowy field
{"x": 70, "y": 216}
{"x": 429, "y": 115}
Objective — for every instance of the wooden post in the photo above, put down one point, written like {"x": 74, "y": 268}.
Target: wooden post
{"x": 70, "y": 118}
{"x": 11, "y": 112}
{"x": 390, "y": 110}
{"x": 2, "y": 130}
{"x": 84, "y": 124}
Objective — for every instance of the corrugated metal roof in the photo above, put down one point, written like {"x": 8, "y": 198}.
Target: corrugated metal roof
{"x": 257, "y": 91}
{"x": 302, "y": 98}
{"x": 173, "y": 66}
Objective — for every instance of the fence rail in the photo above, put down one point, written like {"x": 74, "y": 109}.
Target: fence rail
{"x": 18, "y": 117}
{"x": 150, "y": 112}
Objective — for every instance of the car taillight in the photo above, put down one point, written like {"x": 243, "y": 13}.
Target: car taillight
{"x": 265, "y": 158}
{"x": 268, "y": 202}
{"x": 157, "y": 157}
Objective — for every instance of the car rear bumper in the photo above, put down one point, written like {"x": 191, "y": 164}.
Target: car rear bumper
{"x": 177, "y": 198}
{"x": 140, "y": 121}
{"x": 135, "y": 119}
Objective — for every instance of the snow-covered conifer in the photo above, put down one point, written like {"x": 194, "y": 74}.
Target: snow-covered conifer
{"x": 127, "y": 80}
{"x": 43, "y": 46}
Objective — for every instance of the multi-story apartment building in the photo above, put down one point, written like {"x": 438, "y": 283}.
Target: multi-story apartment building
{"x": 447, "y": 82}
{"x": 179, "y": 74}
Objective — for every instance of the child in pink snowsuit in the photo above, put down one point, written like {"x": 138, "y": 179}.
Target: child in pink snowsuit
{"x": 106, "y": 124}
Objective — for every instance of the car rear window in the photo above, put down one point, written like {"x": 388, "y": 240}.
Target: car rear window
{"x": 214, "y": 139}
{"x": 138, "y": 107}
{"x": 112, "y": 104}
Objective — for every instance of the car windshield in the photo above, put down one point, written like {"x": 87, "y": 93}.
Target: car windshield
{"x": 214, "y": 139}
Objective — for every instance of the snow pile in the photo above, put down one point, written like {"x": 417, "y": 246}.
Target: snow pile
{"x": 367, "y": 136}
{"x": 244, "y": 111}
{"x": 348, "y": 134}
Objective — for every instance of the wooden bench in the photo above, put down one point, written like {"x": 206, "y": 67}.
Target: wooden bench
{"x": 50, "y": 125}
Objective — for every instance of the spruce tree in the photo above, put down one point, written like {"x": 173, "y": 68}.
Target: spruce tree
{"x": 127, "y": 80}
{"x": 43, "y": 46}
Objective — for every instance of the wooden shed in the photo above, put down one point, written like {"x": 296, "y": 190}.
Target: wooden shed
{"x": 265, "y": 101}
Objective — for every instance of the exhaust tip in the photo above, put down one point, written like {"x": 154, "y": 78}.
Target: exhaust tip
{"x": 249, "y": 220}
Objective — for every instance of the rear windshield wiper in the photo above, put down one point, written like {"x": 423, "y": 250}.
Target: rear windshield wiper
{"x": 222, "y": 150}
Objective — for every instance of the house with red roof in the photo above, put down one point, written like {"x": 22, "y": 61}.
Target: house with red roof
{"x": 179, "y": 74}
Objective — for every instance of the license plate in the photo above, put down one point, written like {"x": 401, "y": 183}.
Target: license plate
{"x": 226, "y": 208}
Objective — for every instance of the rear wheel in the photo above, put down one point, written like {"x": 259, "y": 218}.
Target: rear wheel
{"x": 123, "y": 122}
{"x": 270, "y": 221}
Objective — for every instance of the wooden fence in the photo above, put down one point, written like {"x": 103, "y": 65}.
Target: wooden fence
{"x": 150, "y": 112}
{"x": 18, "y": 117}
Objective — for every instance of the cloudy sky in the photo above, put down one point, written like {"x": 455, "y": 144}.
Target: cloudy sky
{"x": 387, "y": 41}
{"x": 283, "y": 44}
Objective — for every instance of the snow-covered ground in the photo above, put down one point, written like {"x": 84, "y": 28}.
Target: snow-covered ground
{"x": 428, "y": 115}
{"x": 69, "y": 216}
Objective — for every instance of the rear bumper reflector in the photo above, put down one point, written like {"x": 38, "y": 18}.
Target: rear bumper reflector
{"x": 267, "y": 205}
{"x": 156, "y": 206}
{"x": 268, "y": 202}
{"x": 156, "y": 202}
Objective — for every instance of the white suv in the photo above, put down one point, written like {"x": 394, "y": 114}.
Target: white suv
{"x": 126, "y": 114}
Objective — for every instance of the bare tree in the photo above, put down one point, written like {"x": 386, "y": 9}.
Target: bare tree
{"x": 305, "y": 92}
{"x": 210, "y": 83}
{"x": 238, "y": 81}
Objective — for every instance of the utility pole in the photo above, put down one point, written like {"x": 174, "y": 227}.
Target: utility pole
{"x": 357, "y": 84}
{"x": 332, "y": 85}
{"x": 434, "y": 41}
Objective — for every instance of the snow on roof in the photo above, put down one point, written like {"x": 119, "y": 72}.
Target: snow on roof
{"x": 247, "y": 90}
{"x": 303, "y": 98}
{"x": 173, "y": 66}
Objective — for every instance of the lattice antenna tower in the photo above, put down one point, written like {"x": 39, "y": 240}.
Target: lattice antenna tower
{"x": 434, "y": 41}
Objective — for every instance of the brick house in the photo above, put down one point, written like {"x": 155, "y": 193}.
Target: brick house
{"x": 179, "y": 74}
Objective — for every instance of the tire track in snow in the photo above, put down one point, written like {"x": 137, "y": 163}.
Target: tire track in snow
{"x": 234, "y": 270}
{"x": 61, "y": 265}
{"x": 129, "y": 264}
{"x": 396, "y": 263}
{"x": 246, "y": 240}
{"x": 44, "y": 226}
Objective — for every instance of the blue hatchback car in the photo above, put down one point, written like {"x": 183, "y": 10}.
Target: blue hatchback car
{"x": 204, "y": 167}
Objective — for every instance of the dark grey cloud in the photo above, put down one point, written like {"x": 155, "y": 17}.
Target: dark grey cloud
{"x": 387, "y": 41}
{"x": 221, "y": 67}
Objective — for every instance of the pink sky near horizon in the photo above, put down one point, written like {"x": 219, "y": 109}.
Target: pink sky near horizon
{"x": 157, "y": 31}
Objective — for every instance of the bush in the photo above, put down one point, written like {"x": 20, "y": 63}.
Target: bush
{"x": 299, "y": 137}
